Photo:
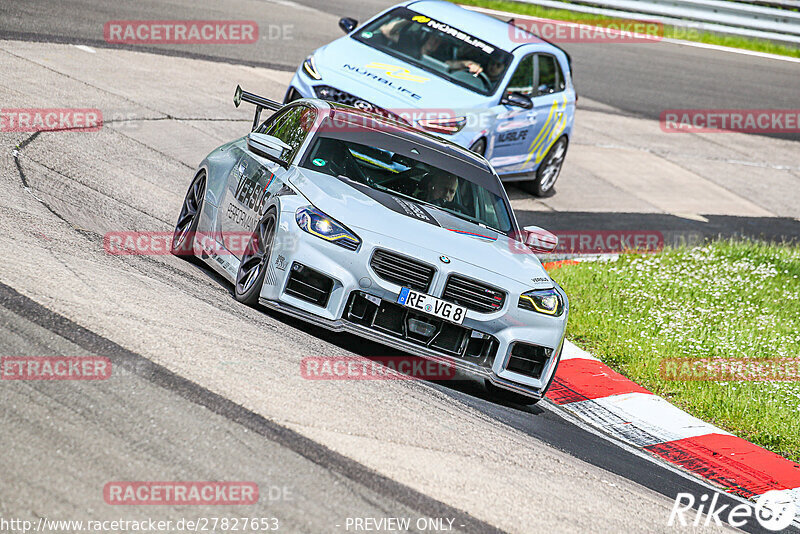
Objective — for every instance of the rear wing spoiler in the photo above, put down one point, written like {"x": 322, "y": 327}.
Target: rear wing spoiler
{"x": 260, "y": 102}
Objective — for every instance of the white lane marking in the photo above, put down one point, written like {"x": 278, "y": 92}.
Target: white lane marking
{"x": 571, "y": 352}
{"x": 86, "y": 48}
{"x": 641, "y": 419}
{"x": 690, "y": 216}
{"x": 694, "y": 44}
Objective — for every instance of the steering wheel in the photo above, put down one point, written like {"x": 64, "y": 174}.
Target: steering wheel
{"x": 485, "y": 79}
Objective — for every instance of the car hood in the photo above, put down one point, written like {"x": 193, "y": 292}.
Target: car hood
{"x": 360, "y": 207}
{"x": 344, "y": 64}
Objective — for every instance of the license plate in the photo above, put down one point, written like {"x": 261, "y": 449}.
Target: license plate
{"x": 431, "y": 305}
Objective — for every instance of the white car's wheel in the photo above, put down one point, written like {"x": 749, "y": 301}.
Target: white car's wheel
{"x": 254, "y": 264}
{"x": 548, "y": 171}
{"x": 186, "y": 227}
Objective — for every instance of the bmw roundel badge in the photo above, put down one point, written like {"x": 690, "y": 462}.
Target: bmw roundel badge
{"x": 444, "y": 259}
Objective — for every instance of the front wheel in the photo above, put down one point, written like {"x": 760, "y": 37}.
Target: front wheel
{"x": 548, "y": 171}
{"x": 255, "y": 262}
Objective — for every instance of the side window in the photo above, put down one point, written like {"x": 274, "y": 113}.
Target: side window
{"x": 550, "y": 78}
{"x": 522, "y": 80}
{"x": 291, "y": 127}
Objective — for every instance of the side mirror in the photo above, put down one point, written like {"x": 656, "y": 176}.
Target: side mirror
{"x": 268, "y": 147}
{"x": 517, "y": 99}
{"x": 540, "y": 240}
{"x": 347, "y": 24}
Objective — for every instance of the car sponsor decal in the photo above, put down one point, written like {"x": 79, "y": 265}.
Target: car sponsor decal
{"x": 413, "y": 209}
{"x": 374, "y": 77}
{"x": 240, "y": 217}
{"x": 514, "y": 136}
{"x": 393, "y": 71}
{"x": 549, "y": 133}
{"x": 458, "y": 34}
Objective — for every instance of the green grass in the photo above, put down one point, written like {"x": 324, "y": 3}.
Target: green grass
{"x": 721, "y": 300}
{"x": 672, "y": 32}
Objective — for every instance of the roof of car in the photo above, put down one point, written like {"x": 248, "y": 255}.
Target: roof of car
{"x": 494, "y": 31}
{"x": 370, "y": 120}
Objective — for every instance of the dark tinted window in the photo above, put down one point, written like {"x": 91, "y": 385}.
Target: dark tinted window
{"x": 291, "y": 127}
{"x": 522, "y": 80}
{"x": 551, "y": 79}
{"x": 433, "y": 46}
{"x": 407, "y": 176}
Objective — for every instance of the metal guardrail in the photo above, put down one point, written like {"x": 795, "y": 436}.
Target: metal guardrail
{"x": 719, "y": 16}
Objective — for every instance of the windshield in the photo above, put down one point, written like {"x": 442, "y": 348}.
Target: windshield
{"x": 437, "y": 48}
{"x": 403, "y": 176}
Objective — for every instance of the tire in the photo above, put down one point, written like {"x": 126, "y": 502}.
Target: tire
{"x": 255, "y": 261}
{"x": 479, "y": 146}
{"x": 548, "y": 171}
{"x": 183, "y": 237}
{"x": 504, "y": 395}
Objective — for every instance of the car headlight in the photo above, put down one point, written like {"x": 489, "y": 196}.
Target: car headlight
{"x": 311, "y": 68}
{"x": 317, "y": 223}
{"x": 443, "y": 125}
{"x": 546, "y": 301}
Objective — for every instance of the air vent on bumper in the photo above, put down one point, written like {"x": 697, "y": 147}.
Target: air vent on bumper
{"x": 309, "y": 285}
{"x": 474, "y": 295}
{"x": 528, "y": 360}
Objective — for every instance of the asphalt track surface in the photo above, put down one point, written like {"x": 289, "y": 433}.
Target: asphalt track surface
{"x": 642, "y": 79}
{"x": 195, "y": 433}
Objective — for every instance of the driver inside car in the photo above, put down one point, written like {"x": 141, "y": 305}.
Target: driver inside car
{"x": 441, "y": 190}
{"x": 494, "y": 69}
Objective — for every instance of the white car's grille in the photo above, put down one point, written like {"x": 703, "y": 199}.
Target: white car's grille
{"x": 402, "y": 270}
{"x": 474, "y": 295}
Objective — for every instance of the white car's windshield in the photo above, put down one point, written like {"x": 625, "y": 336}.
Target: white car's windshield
{"x": 437, "y": 48}
{"x": 400, "y": 175}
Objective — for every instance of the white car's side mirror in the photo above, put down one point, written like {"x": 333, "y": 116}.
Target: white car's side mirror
{"x": 540, "y": 240}
{"x": 268, "y": 146}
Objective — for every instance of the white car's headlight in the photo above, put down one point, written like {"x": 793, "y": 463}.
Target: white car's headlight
{"x": 546, "y": 301}
{"x": 443, "y": 125}
{"x": 317, "y": 223}
{"x": 311, "y": 68}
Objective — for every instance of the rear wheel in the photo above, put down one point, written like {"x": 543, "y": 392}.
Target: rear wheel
{"x": 254, "y": 264}
{"x": 548, "y": 171}
{"x": 189, "y": 218}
